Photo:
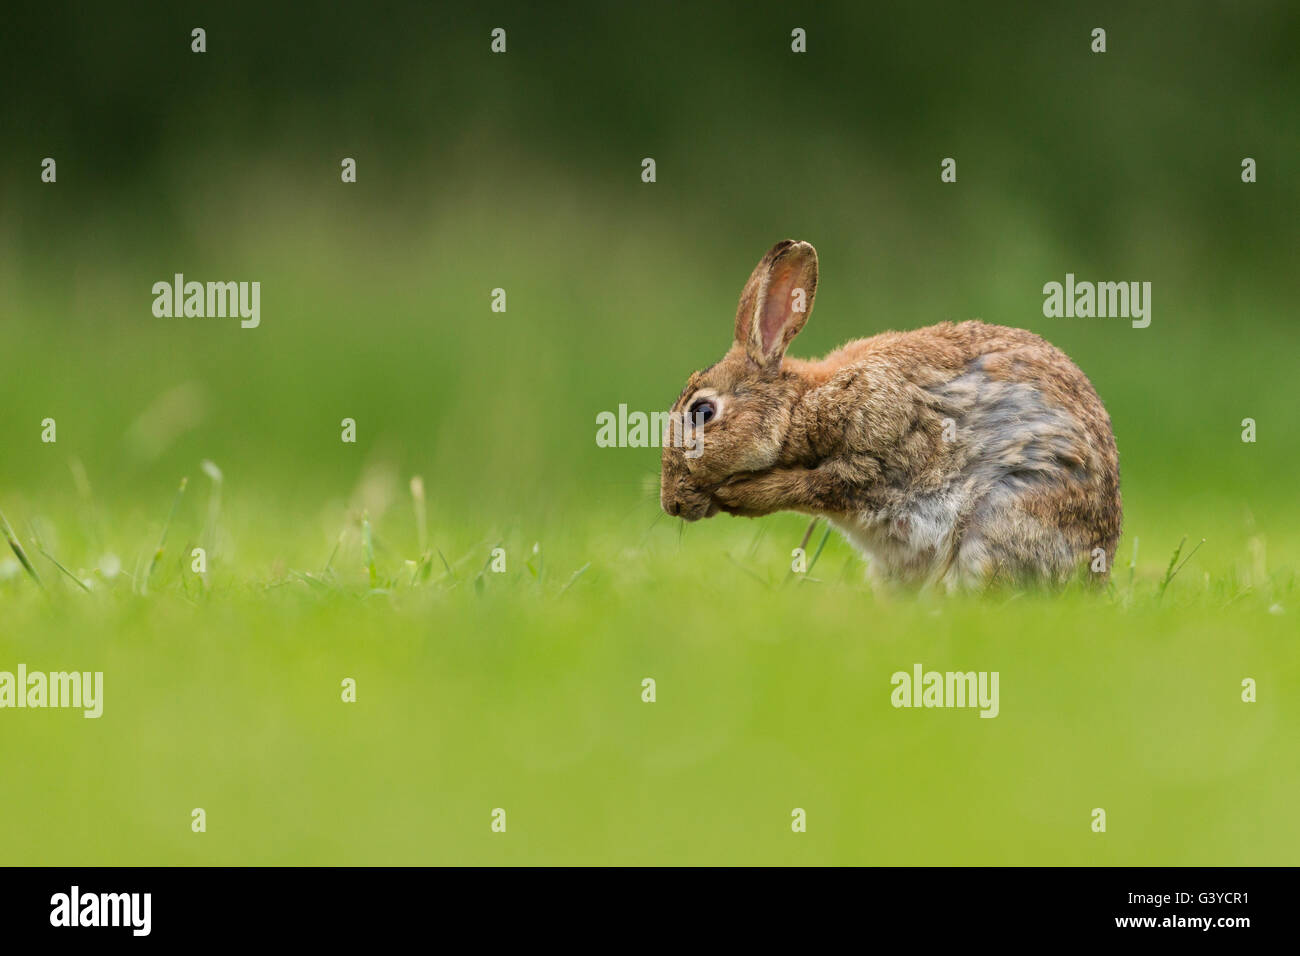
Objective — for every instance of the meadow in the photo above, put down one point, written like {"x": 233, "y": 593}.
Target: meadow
{"x": 522, "y": 689}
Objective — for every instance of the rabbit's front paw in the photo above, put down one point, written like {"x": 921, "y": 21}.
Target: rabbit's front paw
{"x": 759, "y": 493}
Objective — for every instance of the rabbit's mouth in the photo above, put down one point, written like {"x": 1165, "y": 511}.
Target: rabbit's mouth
{"x": 683, "y": 500}
{"x": 692, "y": 509}
{"x": 680, "y": 493}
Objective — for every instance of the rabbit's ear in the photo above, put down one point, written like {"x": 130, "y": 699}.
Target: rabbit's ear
{"x": 776, "y": 301}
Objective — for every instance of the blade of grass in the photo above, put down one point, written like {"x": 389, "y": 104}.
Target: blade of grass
{"x": 574, "y": 577}
{"x": 76, "y": 580}
{"x": 1170, "y": 571}
{"x": 421, "y": 517}
{"x": 1190, "y": 555}
{"x": 338, "y": 543}
{"x": 17, "y": 549}
{"x": 308, "y": 578}
{"x": 370, "y": 552}
{"x": 536, "y": 569}
{"x": 162, "y": 539}
{"x": 748, "y": 571}
{"x": 480, "y": 579}
{"x": 803, "y": 546}
{"x": 1132, "y": 566}
{"x": 214, "y": 505}
{"x": 450, "y": 573}
{"x": 813, "y": 563}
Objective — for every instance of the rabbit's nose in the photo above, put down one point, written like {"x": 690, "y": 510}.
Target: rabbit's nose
{"x": 674, "y": 508}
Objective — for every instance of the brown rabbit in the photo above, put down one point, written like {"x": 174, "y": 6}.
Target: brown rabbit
{"x": 958, "y": 455}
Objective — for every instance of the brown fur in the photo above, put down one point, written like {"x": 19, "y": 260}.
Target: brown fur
{"x": 1026, "y": 491}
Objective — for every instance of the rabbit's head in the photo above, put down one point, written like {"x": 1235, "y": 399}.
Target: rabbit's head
{"x": 732, "y": 417}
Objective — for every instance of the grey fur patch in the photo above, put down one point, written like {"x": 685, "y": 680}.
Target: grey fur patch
{"x": 1009, "y": 442}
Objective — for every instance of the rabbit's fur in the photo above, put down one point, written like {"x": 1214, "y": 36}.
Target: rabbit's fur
{"x": 957, "y": 455}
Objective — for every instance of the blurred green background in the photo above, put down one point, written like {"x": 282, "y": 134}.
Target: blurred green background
{"x": 522, "y": 171}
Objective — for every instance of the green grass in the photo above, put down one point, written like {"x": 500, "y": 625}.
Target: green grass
{"x": 522, "y": 690}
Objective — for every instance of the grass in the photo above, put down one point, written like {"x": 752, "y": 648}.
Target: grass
{"x": 521, "y": 690}
{"x": 19, "y": 552}
{"x": 162, "y": 539}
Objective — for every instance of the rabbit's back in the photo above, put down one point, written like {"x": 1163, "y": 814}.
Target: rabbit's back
{"x": 998, "y": 459}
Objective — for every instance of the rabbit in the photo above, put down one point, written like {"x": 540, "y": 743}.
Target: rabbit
{"x": 957, "y": 456}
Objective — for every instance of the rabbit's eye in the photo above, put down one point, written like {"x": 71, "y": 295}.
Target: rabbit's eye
{"x": 703, "y": 411}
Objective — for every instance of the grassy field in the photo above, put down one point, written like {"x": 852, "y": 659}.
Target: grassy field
{"x": 522, "y": 690}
